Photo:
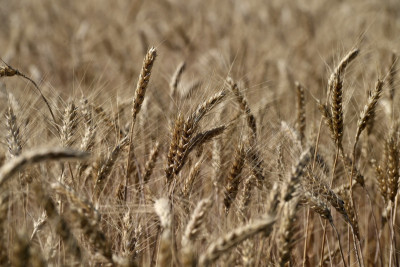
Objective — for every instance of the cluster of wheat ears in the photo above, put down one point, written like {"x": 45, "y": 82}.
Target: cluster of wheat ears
{"x": 95, "y": 208}
{"x": 253, "y": 133}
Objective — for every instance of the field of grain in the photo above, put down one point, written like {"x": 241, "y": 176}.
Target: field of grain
{"x": 199, "y": 133}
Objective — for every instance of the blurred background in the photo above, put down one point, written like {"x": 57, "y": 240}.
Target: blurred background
{"x": 92, "y": 44}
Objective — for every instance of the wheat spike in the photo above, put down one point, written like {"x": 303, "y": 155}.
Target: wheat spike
{"x": 234, "y": 180}
{"x": 69, "y": 125}
{"x": 392, "y": 163}
{"x": 197, "y": 219}
{"x": 251, "y": 121}
{"x": 301, "y": 112}
{"x": 235, "y": 237}
{"x": 183, "y": 138}
{"x": 150, "y": 163}
{"x": 176, "y": 79}
{"x": 335, "y": 89}
{"x": 368, "y": 112}
{"x": 144, "y": 79}
{"x": 392, "y": 75}
{"x": 13, "y": 136}
{"x": 106, "y": 168}
{"x": 188, "y": 185}
{"x": 297, "y": 173}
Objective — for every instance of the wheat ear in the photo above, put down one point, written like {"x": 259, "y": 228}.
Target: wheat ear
{"x": 251, "y": 120}
{"x": 192, "y": 231}
{"x": 13, "y": 136}
{"x": 256, "y": 162}
{"x": 69, "y": 124}
{"x": 392, "y": 163}
{"x": 176, "y": 79}
{"x": 195, "y": 222}
{"x": 235, "y": 237}
{"x": 183, "y": 138}
{"x": 88, "y": 140}
{"x": 335, "y": 88}
{"x": 301, "y": 112}
{"x": 234, "y": 180}
{"x": 106, "y": 168}
{"x": 297, "y": 173}
{"x": 392, "y": 75}
{"x": 320, "y": 207}
{"x": 144, "y": 79}
{"x": 368, "y": 112}
{"x": 188, "y": 184}
{"x": 150, "y": 163}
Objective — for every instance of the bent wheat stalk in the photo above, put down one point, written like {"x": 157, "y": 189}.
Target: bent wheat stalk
{"x": 9, "y": 71}
{"x": 36, "y": 156}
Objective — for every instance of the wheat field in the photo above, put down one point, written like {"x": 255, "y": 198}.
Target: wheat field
{"x": 199, "y": 133}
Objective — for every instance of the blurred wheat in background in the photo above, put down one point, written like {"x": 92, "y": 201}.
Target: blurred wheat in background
{"x": 199, "y": 133}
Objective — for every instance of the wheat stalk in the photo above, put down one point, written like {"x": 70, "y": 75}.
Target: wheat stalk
{"x": 8, "y": 71}
{"x": 36, "y": 156}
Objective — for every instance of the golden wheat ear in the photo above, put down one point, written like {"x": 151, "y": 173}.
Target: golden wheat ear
{"x": 335, "y": 90}
{"x": 13, "y": 137}
{"x": 234, "y": 179}
{"x": 301, "y": 112}
{"x": 368, "y": 113}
